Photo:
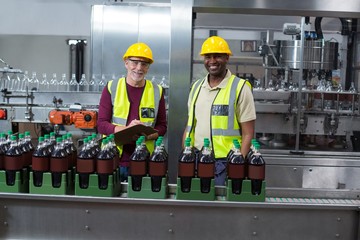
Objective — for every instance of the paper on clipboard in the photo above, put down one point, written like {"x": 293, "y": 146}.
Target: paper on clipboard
{"x": 127, "y": 135}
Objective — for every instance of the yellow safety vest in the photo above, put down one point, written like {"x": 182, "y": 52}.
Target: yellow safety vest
{"x": 148, "y": 109}
{"x": 224, "y": 124}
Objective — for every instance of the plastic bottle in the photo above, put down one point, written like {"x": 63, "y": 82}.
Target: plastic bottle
{"x": 186, "y": 167}
{"x": 115, "y": 150}
{"x": 104, "y": 164}
{"x": 44, "y": 83}
{"x": 137, "y": 169}
{"x": 58, "y": 163}
{"x": 24, "y": 81}
{"x": 206, "y": 167}
{"x": 85, "y": 164}
{"x": 2, "y": 150}
{"x": 13, "y": 161}
{"x": 28, "y": 142}
{"x": 102, "y": 83}
{"x": 25, "y": 151}
{"x": 93, "y": 84}
{"x": 64, "y": 85}
{"x": 236, "y": 170}
{"x": 34, "y": 82}
{"x": 73, "y": 151}
{"x": 68, "y": 151}
{"x": 40, "y": 162}
{"x": 15, "y": 82}
{"x": 231, "y": 152}
{"x": 256, "y": 171}
{"x": 157, "y": 167}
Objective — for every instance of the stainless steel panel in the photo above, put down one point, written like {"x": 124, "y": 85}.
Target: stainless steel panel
{"x": 180, "y": 69}
{"x": 320, "y": 8}
{"x": 71, "y": 217}
{"x": 116, "y": 27}
{"x": 274, "y": 123}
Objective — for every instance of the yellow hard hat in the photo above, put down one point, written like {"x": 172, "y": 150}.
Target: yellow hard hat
{"x": 139, "y": 50}
{"x": 215, "y": 44}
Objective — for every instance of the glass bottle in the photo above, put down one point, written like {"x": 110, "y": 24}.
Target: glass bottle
{"x": 34, "y": 82}
{"x": 157, "y": 167}
{"x": 44, "y": 83}
{"x": 85, "y": 164}
{"x": 54, "y": 83}
{"x": 236, "y": 170}
{"x": 24, "y": 81}
{"x": 102, "y": 83}
{"x": 15, "y": 82}
{"x": 58, "y": 163}
{"x": 40, "y": 162}
{"x": 186, "y": 167}
{"x": 73, "y": 84}
{"x": 138, "y": 166}
{"x": 93, "y": 86}
{"x": 64, "y": 84}
{"x": 104, "y": 164}
{"x": 256, "y": 171}
{"x": 206, "y": 167}
{"x": 83, "y": 84}
{"x": 13, "y": 161}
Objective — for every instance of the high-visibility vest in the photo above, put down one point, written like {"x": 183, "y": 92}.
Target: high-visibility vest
{"x": 224, "y": 124}
{"x": 148, "y": 109}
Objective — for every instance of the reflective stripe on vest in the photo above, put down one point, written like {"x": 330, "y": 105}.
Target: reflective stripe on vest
{"x": 224, "y": 125}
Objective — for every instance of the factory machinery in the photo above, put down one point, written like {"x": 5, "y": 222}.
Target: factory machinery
{"x": 307, "y": 123}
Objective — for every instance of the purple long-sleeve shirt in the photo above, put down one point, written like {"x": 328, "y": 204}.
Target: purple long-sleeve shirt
{"x": 104, "y": 125}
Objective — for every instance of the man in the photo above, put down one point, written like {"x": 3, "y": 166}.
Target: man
{"x": 131, "y": 101}
{"x": 220, "y": 107}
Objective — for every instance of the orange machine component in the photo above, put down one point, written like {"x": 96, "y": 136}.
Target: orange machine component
{"x": 81, "y": 119}
{"x": 3, "y": 114}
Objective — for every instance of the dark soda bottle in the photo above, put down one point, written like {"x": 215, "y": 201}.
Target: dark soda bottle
{"x": 29, "y": 142}
{"x": 256, "y": 171}
{"x": 138, "y": 161}
{"x": 40, "y": 162}
{"x": 58, "y": 163}
{"x": 85, "y": 164}
{"x": 115, "y": 150}
{"x": 206, "y": 167}
{"x": 69, "y": 144}
{"x": 157, "y": 167}
{"x": 13, "y": 161}
{"x": 104, "y": 164}
{"x": 25, "y": 150}
{"x": 236, "y": 169}
{"x": 231, "y": 152}
{"x": 2, "y": 149}
{"x": 186, "y": 167}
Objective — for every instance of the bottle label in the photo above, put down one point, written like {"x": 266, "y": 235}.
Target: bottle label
{"x": 157, "y": 169}
{"x": 13, "y": 162}
{"x": 85, "y": 165}
{"x": 58, "y": 165}
{"x": 206, "y": 170}
{"x": 256, "y": 172}
{"x": 186, "y": 169}
{"x": 236, "y": 171}
{"x": 137, "y": 168}
{"x": 104, "y": 166}
{"x": 40, "y": 164}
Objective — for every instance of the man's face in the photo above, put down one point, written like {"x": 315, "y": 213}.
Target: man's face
{"x": 137, "y": 68}
{"x": 215, "y": 63}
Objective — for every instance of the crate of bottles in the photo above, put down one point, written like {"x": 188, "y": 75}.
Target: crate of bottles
{"x": 18, "y": 184}
{"x": 247, "y": 193}
{"x": 195, "y": 191}
{"x": 147, "y": 190}
{"x": 110, "y": 189}
{"x": 63, "y": 184}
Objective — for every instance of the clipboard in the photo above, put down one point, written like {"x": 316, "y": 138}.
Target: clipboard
{"x": 126, "y": 135}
